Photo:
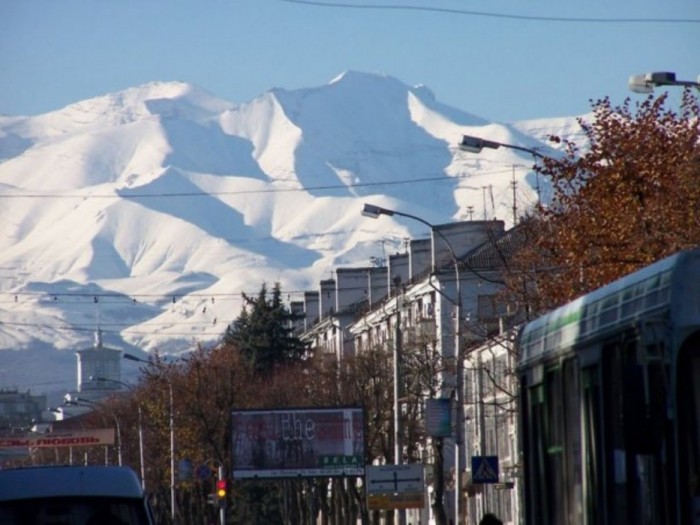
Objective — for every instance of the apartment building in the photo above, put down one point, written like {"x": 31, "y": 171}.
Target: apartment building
{"x": 413, "y": 301}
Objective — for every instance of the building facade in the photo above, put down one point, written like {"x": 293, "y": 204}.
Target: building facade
{"x": 437, "y": 296}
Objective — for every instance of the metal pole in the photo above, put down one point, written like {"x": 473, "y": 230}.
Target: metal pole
{"x": 222, "y": 506}
{"x": 172, "y": 451}
{"x": 143, "y": 467}
{"x": 172, "y": 434}
{"x": 459, "y": 434}
{"x": 79, "y": 400}
{"x": 138, "y": 404}
{"x": 373, "y": 211}
{"x": 119, "y": 440}
{"x": 400, "y": 515}
{"x": 460, "y": 462}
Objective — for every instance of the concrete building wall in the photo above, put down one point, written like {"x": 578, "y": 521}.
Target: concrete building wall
{"x": 326, "y": 298}
{"x": 351, "y": 287}
{"x": 464, "y": 237}
{"x": 398, "y": 267}
{"x": 311, "y": 309}
{"x": 378, "y": 284}
{"x": 420, "y": 257}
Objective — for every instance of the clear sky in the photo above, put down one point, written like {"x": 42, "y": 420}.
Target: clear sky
{"x": 504, "y": 60}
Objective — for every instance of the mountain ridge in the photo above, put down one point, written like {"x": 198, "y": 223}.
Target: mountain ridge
{"x": 146, "y": 212}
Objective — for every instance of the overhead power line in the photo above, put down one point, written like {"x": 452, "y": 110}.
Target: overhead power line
{"x": 441, "y": 178}
{"x": 533, "y": 18}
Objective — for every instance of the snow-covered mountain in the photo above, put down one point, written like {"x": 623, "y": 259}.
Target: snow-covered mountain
{"x": 148, "y": 211}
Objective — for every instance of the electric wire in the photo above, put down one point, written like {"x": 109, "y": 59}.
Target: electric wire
{"x": 440, "y": 178}
{"x": 489, "y": 14}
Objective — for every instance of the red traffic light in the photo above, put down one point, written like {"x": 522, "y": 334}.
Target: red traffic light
{"x": 221, "y": 488}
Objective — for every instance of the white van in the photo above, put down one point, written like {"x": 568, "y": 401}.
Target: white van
{"x": 72, "y": 495}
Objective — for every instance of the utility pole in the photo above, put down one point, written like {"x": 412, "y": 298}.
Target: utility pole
{"x": 222, "y": 502}
{"x": 514, "y": 185}
{"x": 398, "y": 350}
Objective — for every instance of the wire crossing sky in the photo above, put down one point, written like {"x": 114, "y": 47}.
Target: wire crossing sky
{"x": 510, "y": 61}
{"x": 344, "y": 5}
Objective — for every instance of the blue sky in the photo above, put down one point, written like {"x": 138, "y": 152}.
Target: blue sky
{"x": 503, "y": 68}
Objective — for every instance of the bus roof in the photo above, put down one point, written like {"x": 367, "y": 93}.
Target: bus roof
{"x": 58, "y": 481}
{"x": 622, "y": 301}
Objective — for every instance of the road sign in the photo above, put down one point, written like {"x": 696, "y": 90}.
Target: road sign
{"x": 409, "y": 500}
{"x": 484, "y": 469}
{"x": 384, "y": 479}
{"x": 395, "y": 486}
{"x": 203, "y": 472}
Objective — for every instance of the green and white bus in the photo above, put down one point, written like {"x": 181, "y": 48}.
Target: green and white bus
{"x": 610, "y": 402}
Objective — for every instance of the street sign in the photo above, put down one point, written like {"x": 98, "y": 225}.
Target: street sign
{"x": 410, "y": 500}
{"x": 506, "y": 485}
{"x": 382, "y": 479}
{"x": 395, "y": 486}
{"x": 484, "y": 469}
{"x": 204, "y": 472}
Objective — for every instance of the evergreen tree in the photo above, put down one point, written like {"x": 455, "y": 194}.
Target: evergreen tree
{"x": 263, "y": 332}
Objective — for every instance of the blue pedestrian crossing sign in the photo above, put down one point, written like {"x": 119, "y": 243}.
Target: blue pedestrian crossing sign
{"x": 484, "y": 469}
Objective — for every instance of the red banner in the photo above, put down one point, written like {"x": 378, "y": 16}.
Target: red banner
{"x": 77, "y": 438}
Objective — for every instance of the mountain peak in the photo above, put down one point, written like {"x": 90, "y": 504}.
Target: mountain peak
{"x": 169, "y": 202}
{"x": 165, "y": 99}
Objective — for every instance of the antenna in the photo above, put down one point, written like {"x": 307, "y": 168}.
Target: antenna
{"x": 514, "y": 185}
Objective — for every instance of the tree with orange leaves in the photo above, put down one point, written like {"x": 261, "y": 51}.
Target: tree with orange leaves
{"x": 624, "y": 198}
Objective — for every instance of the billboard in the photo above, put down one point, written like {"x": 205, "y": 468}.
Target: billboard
{"x": 305, "y": 442}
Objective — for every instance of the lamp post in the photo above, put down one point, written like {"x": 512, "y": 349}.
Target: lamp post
{"x": 77, "y": 401}
{"x": 172, "y": 433}
{"x": 60, "y": 417}
{"x": 646, "y": 82}
{"x": 374, "y": 212}
{"x": 475, "y": 145}
{"x": 138, "y": 404}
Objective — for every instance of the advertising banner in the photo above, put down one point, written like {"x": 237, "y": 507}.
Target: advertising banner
{"x": 307, "y": 442}
{"x": 75, "y": 438}
{"x": 438, "y": 417}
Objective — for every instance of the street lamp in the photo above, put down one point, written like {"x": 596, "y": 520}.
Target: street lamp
{"x": 476, "y": 144}
{"x": 372, "y": 211}
{"x": 78, "y": 401}
{"x": 172, "y": 433}
{"x": 138, "y": 404}
{"x": 646, "y": 82}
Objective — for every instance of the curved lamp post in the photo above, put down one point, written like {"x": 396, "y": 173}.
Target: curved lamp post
{"x": 372, "y": 211}
{"x": 138, "y": 404}
{"x": 172, "y": 433}
{"x": 475, "y": 145}
{"x": 80, "y": 401}
{"x": 646, "y": 82}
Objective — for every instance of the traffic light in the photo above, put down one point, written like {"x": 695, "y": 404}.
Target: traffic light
{"x": 221, "y": 488}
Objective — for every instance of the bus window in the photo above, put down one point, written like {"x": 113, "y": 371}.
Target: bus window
{"x": 688, "y": 454}
{"x": 593, "y": 478}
